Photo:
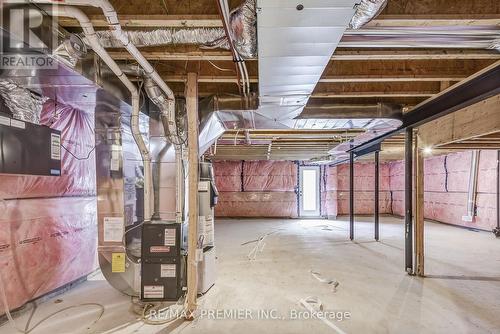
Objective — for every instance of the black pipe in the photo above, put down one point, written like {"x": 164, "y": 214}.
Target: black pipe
{"x": 377, "y": 186}
{"x": 351, "y": 195}
{"x": 497, "y": 229}
{"x": 408, "y": 200}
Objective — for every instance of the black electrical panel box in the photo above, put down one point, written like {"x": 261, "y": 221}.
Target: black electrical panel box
{"x": 27, "y": 148}
{"x": 161, "y": 264}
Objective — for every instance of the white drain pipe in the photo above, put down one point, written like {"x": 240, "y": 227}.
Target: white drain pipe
{"x": 88, "y": 30}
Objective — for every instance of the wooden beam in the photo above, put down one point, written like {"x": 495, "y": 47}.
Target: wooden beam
{"x": 151, "y": 21}
{"x": 329, "y": 79}
{"x": 371, "y": 94}
{"x": 340, "y": 55}
{"x": 419, "y": 206}
{"x": 476, "y": 120}
{"x": 192, "y": 21}
{"x": 426, "y": 20}
{"x": 193, "y": 165}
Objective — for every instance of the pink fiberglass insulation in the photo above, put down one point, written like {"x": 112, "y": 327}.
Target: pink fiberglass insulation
{"x": 269, "y": 175}
{"x": 44, "y": 244}
{"x": 268, "y": 188}
{"x": 227, "y": 175}
{"x": 78, "y": 175}
{"x": 48, "y": 242}
{"x": 364, "y": 185}
{"x": 446, "y": 186}
{"x": 257, "y": 204}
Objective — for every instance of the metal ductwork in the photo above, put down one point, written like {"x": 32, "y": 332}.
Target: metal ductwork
{"x": 198, "y": 36}
{"x": 366, "y": 11}
{"x": 24, "y": 104}
{"x": 221, "y": 113}
{"x": 296, "y": 43}
{"x": 175, "y": 136}
{"x": 242, "y": 28}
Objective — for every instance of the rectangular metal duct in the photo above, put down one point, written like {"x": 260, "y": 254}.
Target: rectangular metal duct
{"x": 296, "y": 39}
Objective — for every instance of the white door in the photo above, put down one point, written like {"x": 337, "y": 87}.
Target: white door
{"x": 309, "y": 196}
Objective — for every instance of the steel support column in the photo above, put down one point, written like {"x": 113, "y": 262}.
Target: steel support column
{"x": 351, "y": 195}
{"x": 377, "y": 186}
{"x": 496, "y": 230}
{"x": 409, "y": 200}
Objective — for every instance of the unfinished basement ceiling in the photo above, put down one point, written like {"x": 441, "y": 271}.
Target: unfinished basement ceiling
{"x": 372, "y": 65}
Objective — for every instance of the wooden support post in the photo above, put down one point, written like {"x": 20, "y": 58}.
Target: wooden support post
{"x": 193, "y": 165}
{"x": 419, "y": 207}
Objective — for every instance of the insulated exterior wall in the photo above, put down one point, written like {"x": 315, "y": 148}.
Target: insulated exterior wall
{"x": 48, "y": 229}
{"x": 268, "y": 189}
{"x": 44, "y": 244}
{"x": 256, "y": 189}
{"x": 337, "y": 189}
{"x": 446, "y": 186}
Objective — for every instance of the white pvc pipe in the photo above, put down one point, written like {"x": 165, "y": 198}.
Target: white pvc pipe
{"x": 92, "y": 39}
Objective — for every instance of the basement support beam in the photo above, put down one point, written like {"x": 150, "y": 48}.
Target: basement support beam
{"x": 346, "y": 55}
{"x": 193, "y": 165}
{"x": 408, "y": 201}
{"x": 377, "y": 193}
{"x": 419, "y": 207}
{"x": 351, "y": 196}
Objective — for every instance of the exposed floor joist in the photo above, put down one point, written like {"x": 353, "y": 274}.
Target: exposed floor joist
{"x": 210, "y": 21}
{"x": 382, "y": 54}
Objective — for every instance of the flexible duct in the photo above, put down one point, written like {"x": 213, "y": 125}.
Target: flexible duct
{"x": 199, "y": 36}
{"x": 366, "y": 11}
{"x": 242, "y": 27}
{"x": 23, "y": 104}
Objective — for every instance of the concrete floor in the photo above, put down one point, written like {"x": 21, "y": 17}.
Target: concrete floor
{"x": 460, "y": 295}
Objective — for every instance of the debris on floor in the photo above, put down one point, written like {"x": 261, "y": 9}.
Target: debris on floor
{"x": 259, "y": 246}
{"x": 328, "y": 281}
{"x": 315, "y": 306}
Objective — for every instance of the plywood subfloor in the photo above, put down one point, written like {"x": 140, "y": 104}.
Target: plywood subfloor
{"x": 461, "y": 294}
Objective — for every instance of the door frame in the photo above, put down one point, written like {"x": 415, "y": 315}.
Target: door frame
{"x": 309, "y": 213}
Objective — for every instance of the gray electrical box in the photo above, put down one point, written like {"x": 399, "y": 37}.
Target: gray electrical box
{"x": 27, "y": 148}
{"x": 162, "y": 264}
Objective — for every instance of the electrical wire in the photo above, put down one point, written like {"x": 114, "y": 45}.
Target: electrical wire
{"x": 220, "y": 68}
{"x": 74, "y": 156}
{"x": 26, "y": 330}
{"x": 146, "y": 318}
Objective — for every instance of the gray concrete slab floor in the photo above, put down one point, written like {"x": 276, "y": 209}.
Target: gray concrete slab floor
{"x": 461, "y": 293}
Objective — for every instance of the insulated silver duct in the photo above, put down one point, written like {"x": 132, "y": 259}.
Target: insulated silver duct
{"x": 242, "y": 26}
{"x": 366, "y": 11}
{"x": 243, "y": 29}
{"x": 24, "y": 104}
{"x": 198, "y": 36}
